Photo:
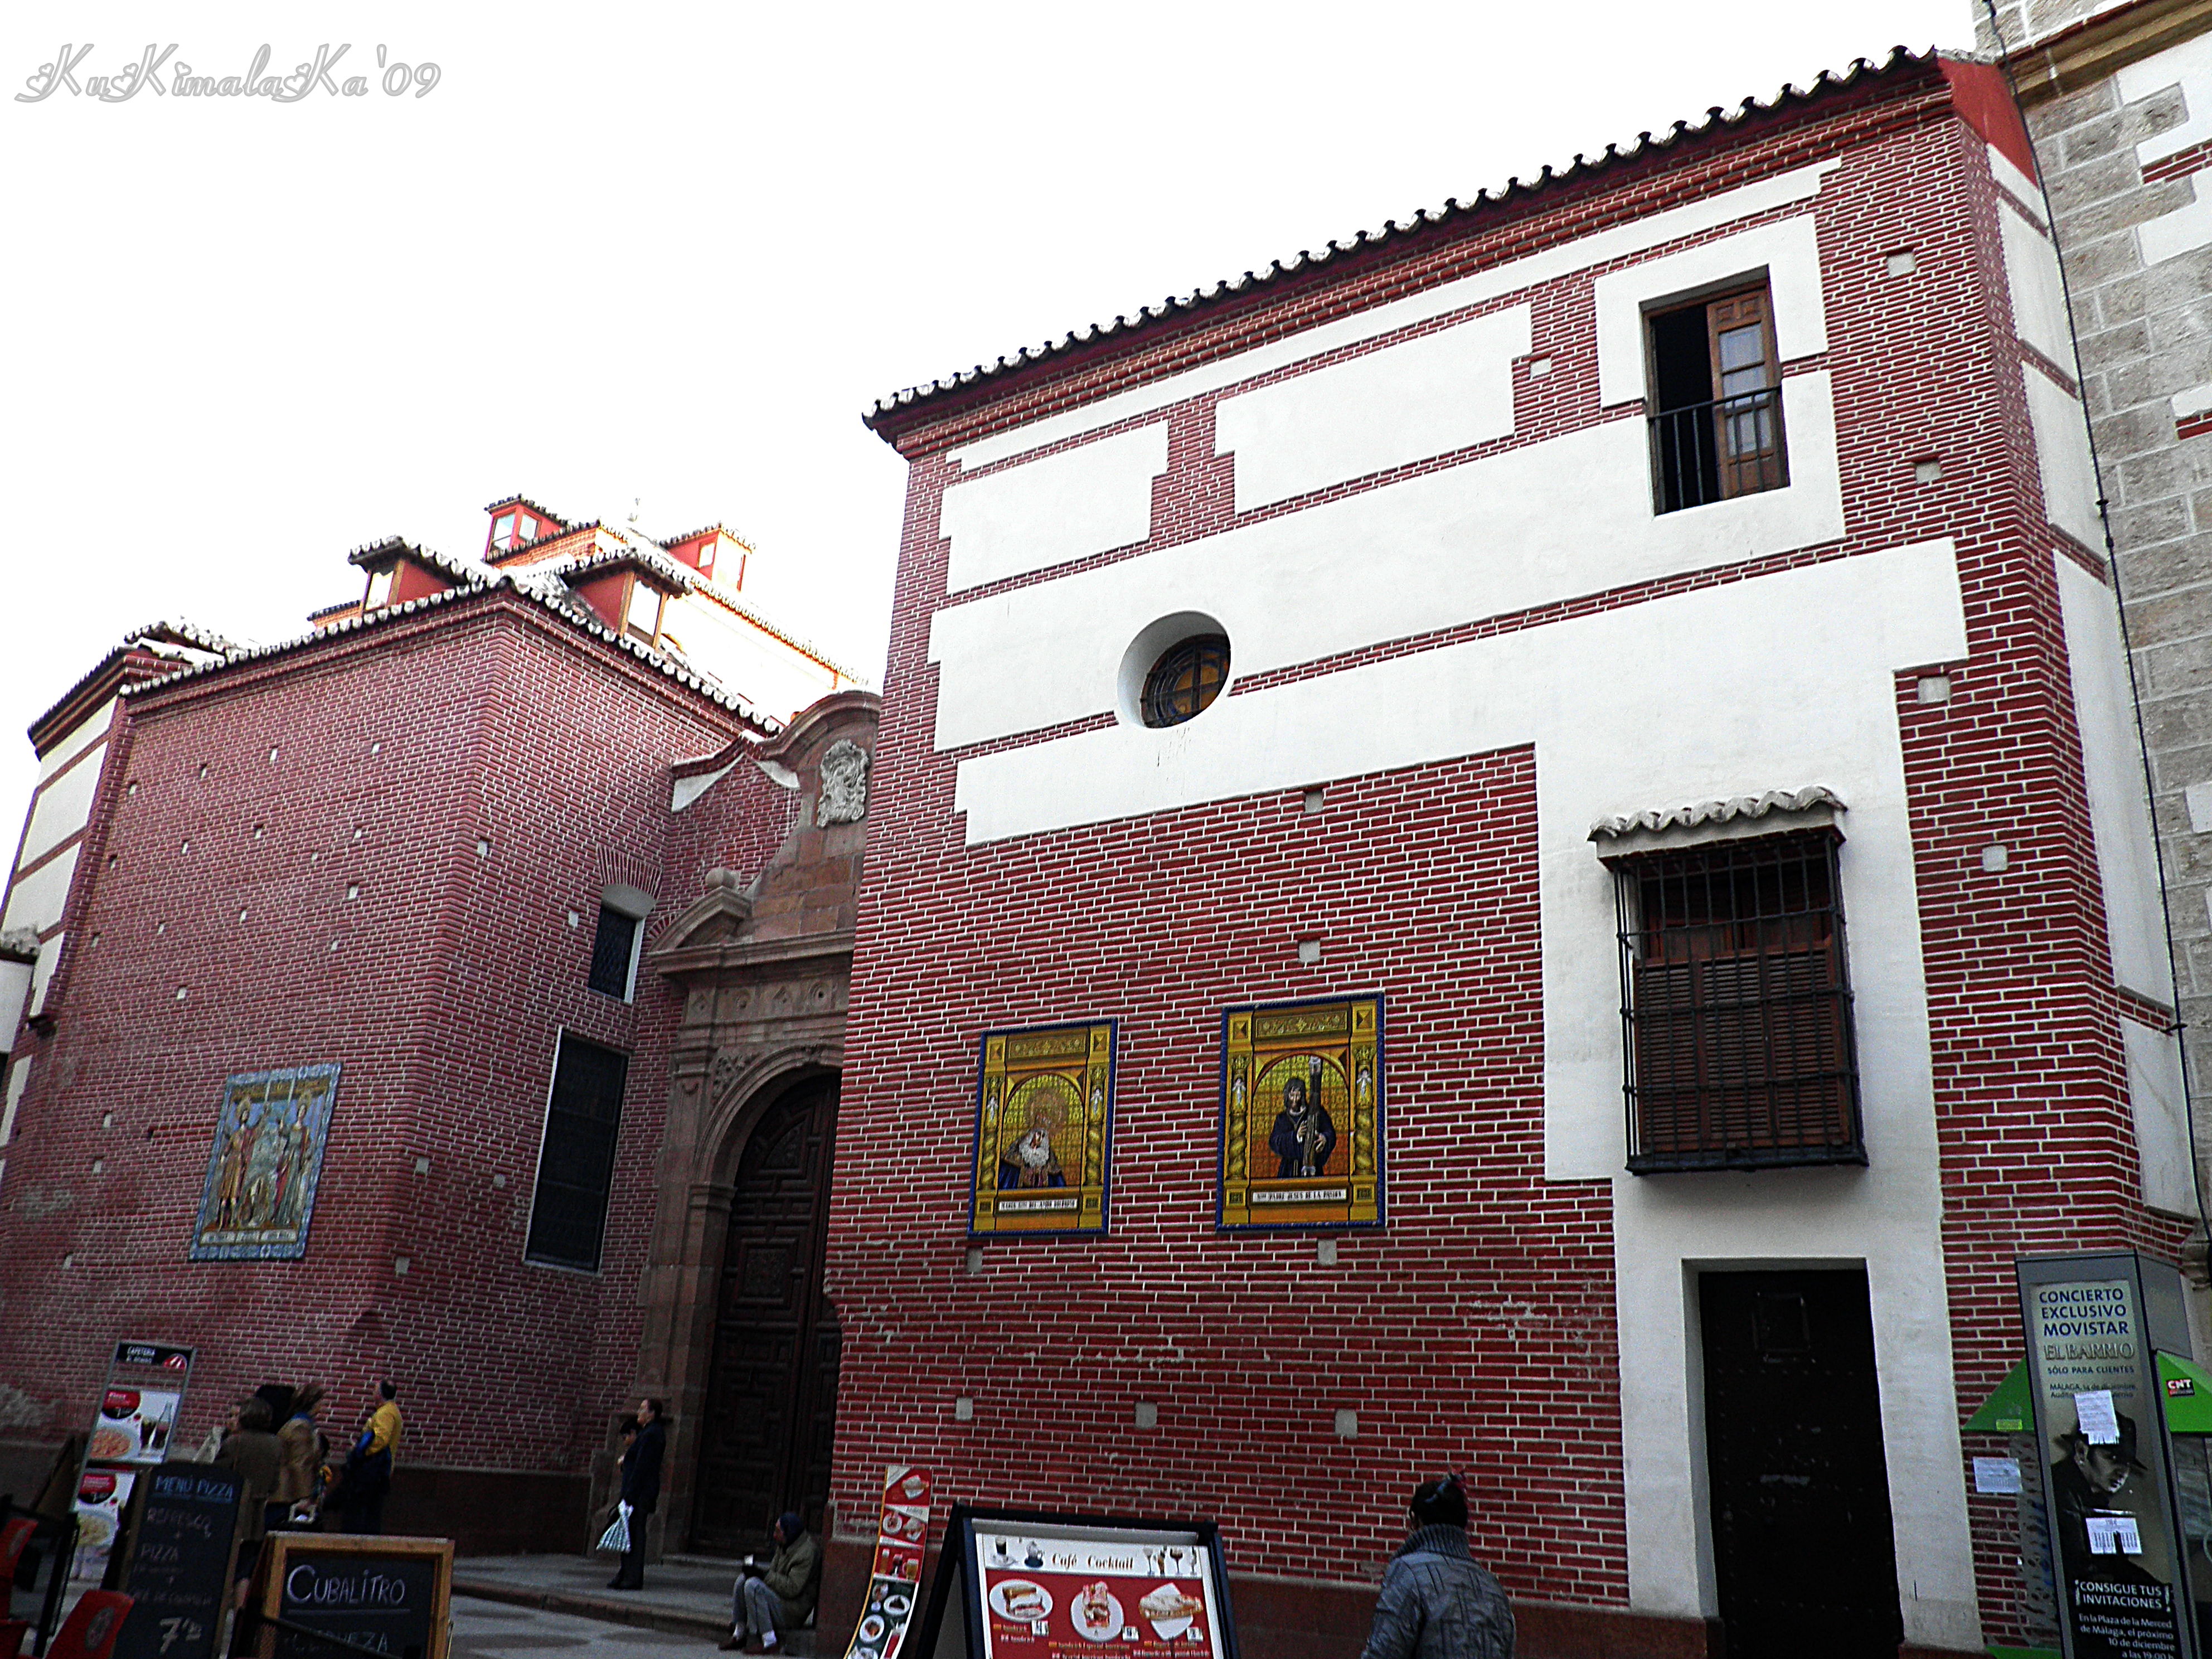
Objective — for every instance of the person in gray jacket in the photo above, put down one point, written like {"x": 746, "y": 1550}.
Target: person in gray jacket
{"x": 1436, "y": 1602}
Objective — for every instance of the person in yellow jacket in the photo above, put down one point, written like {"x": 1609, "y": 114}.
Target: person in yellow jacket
{"x": 368, "y": 1464}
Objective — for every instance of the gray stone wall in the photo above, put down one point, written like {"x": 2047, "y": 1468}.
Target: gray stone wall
{"x": 2024, "y": 21}
{"x": 2145, "y": 325}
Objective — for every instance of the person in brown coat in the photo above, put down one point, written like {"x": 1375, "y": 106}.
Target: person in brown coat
{"x": 300, "y": 1475}
{"x": 253, "y": 1451}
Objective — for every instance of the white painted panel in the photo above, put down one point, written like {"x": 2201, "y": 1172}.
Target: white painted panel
{"x": 2161, "y": 1117}
{"x": 1423, "y": 396}
{"x": 35, "y": 901}
{"x": 2182, "y": 231}
{"x": 62, "y": 807}
{"x": 2188, "y": 64}
{"x": 1665, "y": 1230}
{"x": 87, "y": 732}
{"x": 2038, "y": 302}
{"x": 1572, "y": 515}
{"x": 15, "y": 997}
{"x": 18, "y": 1075}
{"x": 1651, "y": 230}
{"x": 2119, "y": 806}
{"x": 2062, "y": 456}
{"x": 1787, "y": 250}
{"x": 1045, "y": 512}
{"x": 2016, "y": 183}
{"x": 42, "y": 971}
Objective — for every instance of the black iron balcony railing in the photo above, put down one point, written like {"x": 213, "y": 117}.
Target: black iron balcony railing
{"x": 1710, "y": 451}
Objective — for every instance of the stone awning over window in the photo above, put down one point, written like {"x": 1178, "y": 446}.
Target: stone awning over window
{"x": 1714, "y": 820}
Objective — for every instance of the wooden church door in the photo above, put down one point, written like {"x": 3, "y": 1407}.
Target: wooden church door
{"x": 772, "y": 1388}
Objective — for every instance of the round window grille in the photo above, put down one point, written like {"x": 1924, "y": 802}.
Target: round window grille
{"x": 1187, "y": 678}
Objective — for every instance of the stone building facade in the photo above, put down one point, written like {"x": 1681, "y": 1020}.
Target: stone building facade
{"x": 2119, "y": 105}
{"x": 1354, "y": 649}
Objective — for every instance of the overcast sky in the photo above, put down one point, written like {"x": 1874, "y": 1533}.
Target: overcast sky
{"x": 671, "y": 253}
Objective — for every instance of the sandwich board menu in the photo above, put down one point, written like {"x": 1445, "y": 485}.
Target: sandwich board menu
{"x": 1026, "y": 1585}
{"x": 387, "y": 1594}
{"x": 895, "y": 1578}
{"x": 133, "y": 1428}
{"x": 179, "y": 1573}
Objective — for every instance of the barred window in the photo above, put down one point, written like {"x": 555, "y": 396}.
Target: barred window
{"x": 576, "y": 1163}
{"x": 1736, "y": 1009}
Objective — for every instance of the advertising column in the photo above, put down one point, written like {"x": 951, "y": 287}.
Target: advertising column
{"x": 2095, "y": 1324}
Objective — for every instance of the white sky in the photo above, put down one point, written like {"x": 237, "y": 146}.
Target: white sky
{"x": 673, "y": 251}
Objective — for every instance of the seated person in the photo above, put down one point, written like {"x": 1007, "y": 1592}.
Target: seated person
{"x": 779, "y": 1596}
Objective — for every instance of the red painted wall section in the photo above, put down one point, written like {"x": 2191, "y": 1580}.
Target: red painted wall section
{"x": 411, "y": 580}
{"x": 606, "y": 595}
{"x": 1983, "y": 95}
{"x": 377, "y": 868}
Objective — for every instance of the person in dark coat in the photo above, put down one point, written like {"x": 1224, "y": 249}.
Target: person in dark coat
{"x": 1436, "y": 1602}
{"x": 641, "y": 1490}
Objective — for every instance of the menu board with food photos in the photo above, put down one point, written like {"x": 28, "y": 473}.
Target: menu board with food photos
{"x": 1032, "y": 1586}
{"x": 895, "y": 1576}
{"x": 133, "y": 1428}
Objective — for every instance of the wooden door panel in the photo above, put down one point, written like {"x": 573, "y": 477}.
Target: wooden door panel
{"x": 1802, "y": 1542}
{"x": 772, "y": 1389}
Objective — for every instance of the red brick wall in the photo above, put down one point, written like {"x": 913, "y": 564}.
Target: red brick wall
{"x": 398, "y": 749}
{"x": 1487, "y": 1304}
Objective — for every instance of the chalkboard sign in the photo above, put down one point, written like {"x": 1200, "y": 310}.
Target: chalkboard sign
{"x": 385, "y": 1594}
{"x": 181, "y": 1556}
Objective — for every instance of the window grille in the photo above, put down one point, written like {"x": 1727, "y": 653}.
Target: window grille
{"x": 1186, "y": 680}
{"x": 1735, "y": 1012}
{"x": 575, "y": 1166}
{"x": 612, "y": 947}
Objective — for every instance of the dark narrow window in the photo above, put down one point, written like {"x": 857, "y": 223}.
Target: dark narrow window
{"x": 1716, "y": 402}
{"x": 1186, "y": 679}
{"x": 614, "y": 948}
{"x": 1736, "y": 1009}
{"x": 575, "y": 1166}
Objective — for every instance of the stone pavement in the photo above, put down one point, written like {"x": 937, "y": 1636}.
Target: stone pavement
{"x": 527, "y": 1604}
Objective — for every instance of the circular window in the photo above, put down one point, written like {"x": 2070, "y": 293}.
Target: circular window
{"x": 1187, "y": 677}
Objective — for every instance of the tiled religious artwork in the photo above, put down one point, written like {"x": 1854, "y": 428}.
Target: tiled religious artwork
{"x": 1302, "y": 1114}
{"x": 267, "y": 1157}
{"x": 1044, "y": 1130}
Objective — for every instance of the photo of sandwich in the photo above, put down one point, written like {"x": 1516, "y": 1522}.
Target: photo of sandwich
{"x": 1170, "y": 1610}
{"x": 1021, "y": 1601}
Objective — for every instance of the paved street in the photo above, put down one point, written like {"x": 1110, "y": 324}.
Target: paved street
{"x": 492, "y": 1629}
{"x": 533, "y": 1604}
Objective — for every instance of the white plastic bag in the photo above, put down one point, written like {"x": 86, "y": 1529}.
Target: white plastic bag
{"x": 617, "y": 1536}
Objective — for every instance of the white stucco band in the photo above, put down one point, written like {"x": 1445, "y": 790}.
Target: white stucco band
{"x": 62, "y": 807}
{"x": 1527, "y": 527}
{"x": 1423, "y": 396}
{"x": 1614, "y": 242}
{"x": 35, "y": 901}
{"x": 2062, "y": 456}
{"x": 1787, "y": 250}
{"x": 2039, "y": 301}
{"x": 1084, "y": 501}
{"x": 1731, "y": 715}
{"x": 2188, "y": 64}
{"x": 2119, "y": 805}
{"x": 2156, "y": 1102}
